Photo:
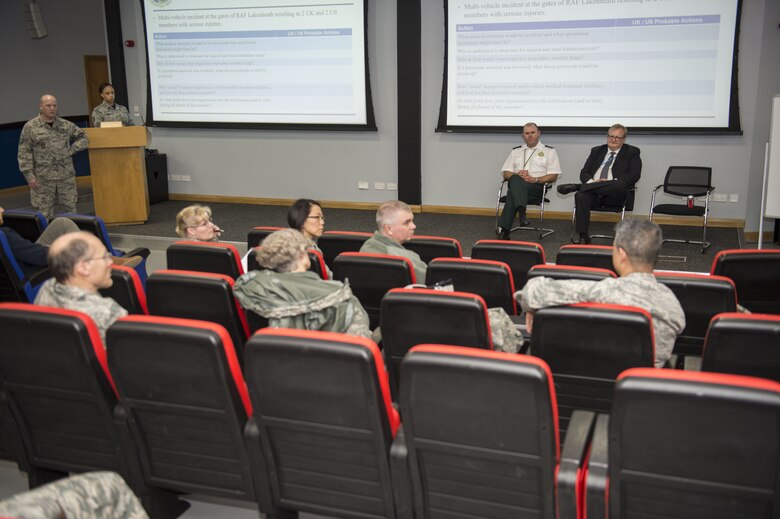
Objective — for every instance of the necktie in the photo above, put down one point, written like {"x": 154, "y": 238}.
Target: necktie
{"x": 605, "y": 170}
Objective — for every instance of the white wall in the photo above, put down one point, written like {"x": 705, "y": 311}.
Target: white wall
{"x": 54, "y": 64}
{"x": 283, "y": 164}
{"x": 463, "y": 170}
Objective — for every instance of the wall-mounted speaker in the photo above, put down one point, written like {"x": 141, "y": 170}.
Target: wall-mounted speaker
{"x": 35, "y": 26}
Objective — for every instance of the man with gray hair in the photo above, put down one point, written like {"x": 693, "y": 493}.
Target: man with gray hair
{"x": 46, "y": 146}
{"x": 395, "y": 223}
{"x": 636, "y": 247}
{"x": 81, "y": 266}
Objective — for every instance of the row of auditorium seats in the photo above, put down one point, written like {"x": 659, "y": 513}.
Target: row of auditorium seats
{"x": 309, "y": 425}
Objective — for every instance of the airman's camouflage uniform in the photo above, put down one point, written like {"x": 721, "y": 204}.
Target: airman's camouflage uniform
{"x": 94, "y": 495}
{"x": 107, "y": 112}
{"x": 45, "y": 155}
{"x": 103, "y": 310}
{"x": 638, "y": 289}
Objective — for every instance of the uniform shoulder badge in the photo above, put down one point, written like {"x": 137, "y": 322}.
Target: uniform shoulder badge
{"x": 541, "y": 154}
{"x": 517, "y": 147}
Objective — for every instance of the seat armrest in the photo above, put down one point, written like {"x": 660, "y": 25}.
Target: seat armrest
{"x": 573, "y": 457}
{"x": 138, "y": 251}
{"x": 399, "y": 471}
{"x": 597, "y": 476}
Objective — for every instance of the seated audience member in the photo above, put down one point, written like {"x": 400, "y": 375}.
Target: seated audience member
{"x": 81, "y": 265}
{"x": 291, "y": 296}
{"x": 194, "y": 223}
{"x": 306, "y": 216}
{"x": 92, "y": 494}
{"x": 395, "y": 223}
{"x": 31, "y": 256}
{"x": 610, "y": 171}
{"x": 636, "y": 247}
{"x": 396, "y": 226}
{"x": 527, "y": 168}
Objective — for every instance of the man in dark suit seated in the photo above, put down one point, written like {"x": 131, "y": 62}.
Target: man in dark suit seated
{"x": 610, "y": 172}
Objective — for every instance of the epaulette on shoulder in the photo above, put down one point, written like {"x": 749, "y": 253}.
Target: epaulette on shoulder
{"x": 551, "y": 147}
{"x": 516, "y": 147}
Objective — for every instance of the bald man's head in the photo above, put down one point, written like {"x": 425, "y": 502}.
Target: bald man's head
{"x": 80, "y": 259}
{"x": 48, "y": 107}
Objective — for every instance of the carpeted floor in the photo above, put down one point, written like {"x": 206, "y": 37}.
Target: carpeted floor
{"x": 238, "y": 219}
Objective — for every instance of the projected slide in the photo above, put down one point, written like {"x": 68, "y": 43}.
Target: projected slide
{"x": 239, "y": 61}
{"x": 583, "y": 63}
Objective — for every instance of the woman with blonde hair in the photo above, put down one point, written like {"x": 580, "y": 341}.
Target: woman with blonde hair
{"x": 291, "y": 296}
{"x": 194, "y": 223}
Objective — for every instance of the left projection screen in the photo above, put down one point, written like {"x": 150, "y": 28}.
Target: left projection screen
{"x": 258, "y": 63}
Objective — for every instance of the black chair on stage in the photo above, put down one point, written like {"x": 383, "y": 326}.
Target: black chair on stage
{"x": 702, "y": 297}
{"x": 333, "y": 243}
{"x": 371, "y": 276}
{"x": 432, "y": 247}
{"x": 756, "y": 273}
{"x": 743, "y": 344}
{"x": 29, "y": 224}
{"x": 686, "y": 444}
{"x": 201, "y": 256}
{"x": 480, "y": 437}
{"x": 692, "y": 183}
{"x": 563, "y": 272}
{"x": 324, "y": 421}
{"x": 543, "y": 232}
{"x": 420, "y": 315}
{"x": 127, "y": 290}
{"x": 599, "y": 256}
{"x": 492, "y": 280}
{"x": 186, "y": 405}
{"x": 627, "y": 205}
{"x": 587, "y": 346}
{"x": 519, "y": 255}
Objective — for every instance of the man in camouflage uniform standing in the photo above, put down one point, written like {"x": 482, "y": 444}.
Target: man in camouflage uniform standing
{"x": 636, "y": 247}
{"x": 46, "y": 146}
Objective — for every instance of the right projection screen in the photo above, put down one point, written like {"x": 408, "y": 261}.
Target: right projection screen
{"x": 666, "y": 65}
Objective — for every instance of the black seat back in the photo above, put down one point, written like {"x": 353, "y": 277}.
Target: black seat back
{"x": 127, "y": 290}
{"x": 756, "y": 273}
{"x": 599, "y": 256}
{"x": 519, "y": 255}
{"x": 492, "y": 280}
{"x": 219, "y": 258}
{"x": 587, "y": 346}
{"x": 720, "y": 436}
{"x": 744, "y": 344}
{"x": 325, "y": 421}
{"x": 432, "y": 247}
{"x": 333, "y": 243}
{"x": 198, "y": 295}
{"x": 562, "y": 272}
{"x": 702, "y": 297}
{"x": 371, "y": 276}
{"x": 181, "y": 387}
{"x": 29, "y": 224}
{"x": 421, "y": 316}
{"x": 481, "y": 433}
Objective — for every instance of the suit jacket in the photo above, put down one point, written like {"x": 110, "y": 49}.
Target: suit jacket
{"x": 627, "y": 166}
{"x": 29, "y": 255}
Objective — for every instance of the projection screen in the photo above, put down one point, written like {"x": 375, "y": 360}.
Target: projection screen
{"x": 258, "y": 63}
{"x": 658, "y": 65}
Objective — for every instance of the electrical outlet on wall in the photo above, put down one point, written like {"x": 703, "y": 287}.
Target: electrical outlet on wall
{"x": 362, "y": 184}
{"x": 392, "y": 186}
{"x": 720, "y": 197}
{"x": 379, "y": 185}
{"x": 734, "y": 197}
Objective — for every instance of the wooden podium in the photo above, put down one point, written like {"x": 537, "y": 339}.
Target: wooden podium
{"x": 118, "y": 165}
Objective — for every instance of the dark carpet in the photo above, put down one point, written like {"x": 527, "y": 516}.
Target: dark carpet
{"x": 238, "y": 219}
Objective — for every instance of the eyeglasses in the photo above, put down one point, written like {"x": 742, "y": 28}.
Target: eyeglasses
{"x": 317, "y": 217}
{"x": 105, "y": 257}
{"x": 615, "y": 137}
